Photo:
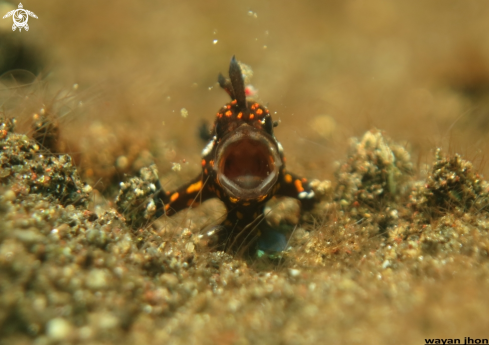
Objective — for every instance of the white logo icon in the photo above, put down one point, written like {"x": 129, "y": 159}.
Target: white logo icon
{"x": 20, "y": 17}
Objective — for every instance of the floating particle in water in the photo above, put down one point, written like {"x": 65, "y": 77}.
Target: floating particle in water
{"x": 122, "y": 162}
{"x": 250, "y": 91}
{"x": 215, "y": 41}
{"x": 184, "y": 113}
{"x": 252, "y": 14}
{"x": 324, "y": 125}
{"x": 176, "y": 167}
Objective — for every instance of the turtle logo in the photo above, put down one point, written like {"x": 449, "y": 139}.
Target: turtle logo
{"x": 20, "y": 17}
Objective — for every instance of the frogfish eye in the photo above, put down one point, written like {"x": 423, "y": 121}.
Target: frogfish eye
{"x": 248, "y": 163}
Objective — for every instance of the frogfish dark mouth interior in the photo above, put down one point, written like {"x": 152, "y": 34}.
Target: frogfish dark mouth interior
{"x": 248, "y": 163}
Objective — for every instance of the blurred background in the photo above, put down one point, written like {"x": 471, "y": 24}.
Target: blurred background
{"x": 131, "y": 82}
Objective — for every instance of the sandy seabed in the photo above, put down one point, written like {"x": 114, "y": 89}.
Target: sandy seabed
{"x": 386, "y": 103}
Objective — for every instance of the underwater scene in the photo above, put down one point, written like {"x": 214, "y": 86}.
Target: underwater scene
{"x": 244, "y": 172}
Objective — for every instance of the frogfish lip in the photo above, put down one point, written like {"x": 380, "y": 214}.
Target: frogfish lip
{"x": 247, "y": 163}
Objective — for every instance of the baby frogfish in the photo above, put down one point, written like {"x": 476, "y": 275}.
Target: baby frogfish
{"x": 243, "y": 165}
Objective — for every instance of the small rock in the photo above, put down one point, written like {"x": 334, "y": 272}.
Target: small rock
{"x": 169, "y": 280}
{"x": 9, "y": 195}
{"x": 97, "y": 279}
{"x": 122, "y": 162}
{"x": 294, "y": 272}
{"x": 29, "y": 236}
{"x": 58, "y": 329}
